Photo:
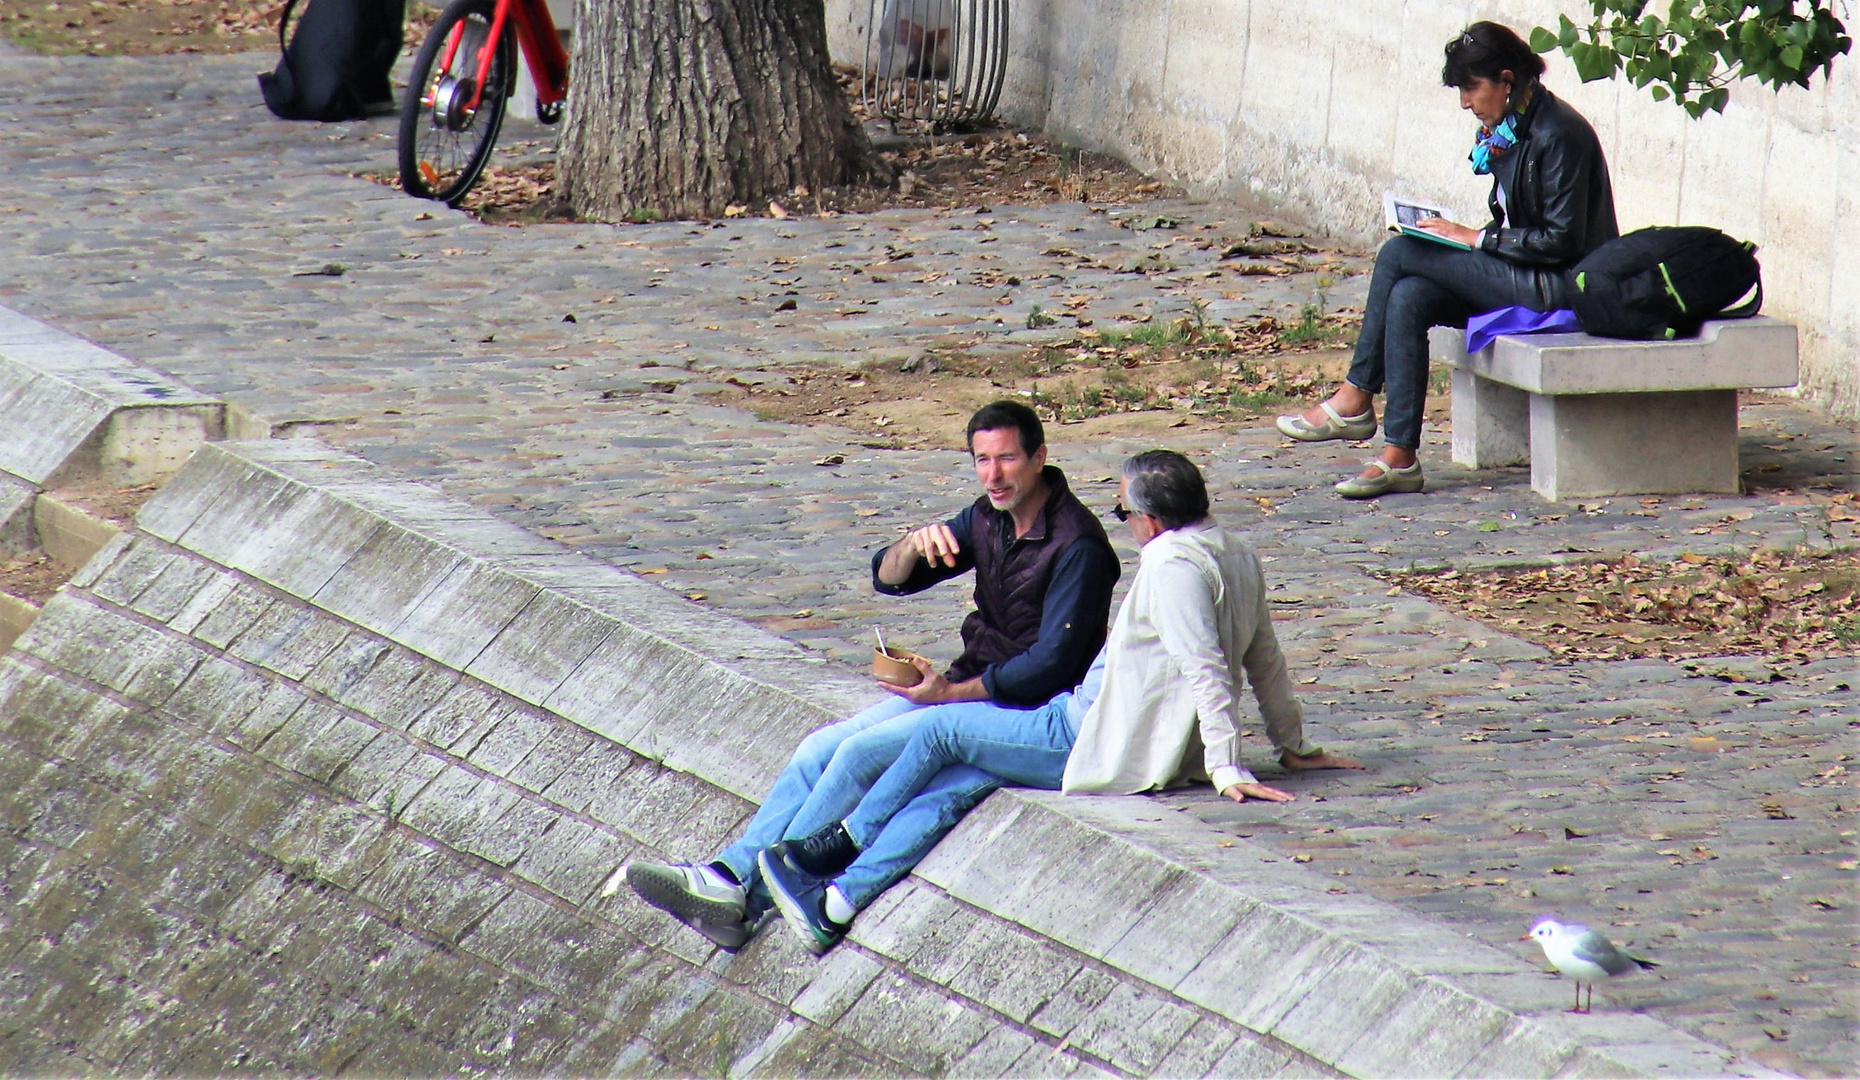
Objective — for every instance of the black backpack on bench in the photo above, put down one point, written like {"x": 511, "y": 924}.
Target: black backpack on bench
{"x": 336, "y": 65}
{"x": 1663, "y": 282}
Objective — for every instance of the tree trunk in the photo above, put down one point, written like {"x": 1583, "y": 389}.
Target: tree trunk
{"x": 679, "y": 108}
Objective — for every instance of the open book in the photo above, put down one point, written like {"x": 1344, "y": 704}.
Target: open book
{"x": 1403, "y": 215}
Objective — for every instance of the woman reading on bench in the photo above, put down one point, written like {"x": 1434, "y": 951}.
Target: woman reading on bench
{"x": 1551, "y": 204}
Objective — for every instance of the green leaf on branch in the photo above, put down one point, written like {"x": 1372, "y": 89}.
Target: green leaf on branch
{"x": 1702, "y": 46}
{"x": 1593, "y": 61}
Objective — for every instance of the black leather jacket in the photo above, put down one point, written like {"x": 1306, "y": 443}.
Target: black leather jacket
{"x": 1559, "y": 205}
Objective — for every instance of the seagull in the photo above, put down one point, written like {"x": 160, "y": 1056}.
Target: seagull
{"x": 1582, "y": 954}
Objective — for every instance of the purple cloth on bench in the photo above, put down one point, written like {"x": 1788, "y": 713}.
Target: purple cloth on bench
{"x": 1481, "y": 329}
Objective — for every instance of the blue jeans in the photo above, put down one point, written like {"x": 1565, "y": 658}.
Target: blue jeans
{"x": 1418, "y": 284}
{"x": 829, "y": 772}
{"x": 917, "y": 801}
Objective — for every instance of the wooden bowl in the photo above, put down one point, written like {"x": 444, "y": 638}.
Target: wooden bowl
{"x": 894, "y": 666}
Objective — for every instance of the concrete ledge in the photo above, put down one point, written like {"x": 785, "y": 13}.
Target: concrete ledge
{"x": 73, "y": 412}
{"x": 395, "y": 742}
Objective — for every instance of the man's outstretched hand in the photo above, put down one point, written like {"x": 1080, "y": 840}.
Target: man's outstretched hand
{"x": 1243, "y": 792}
{"x": 935, "y": 544}
{"x": 1319, "y": 760}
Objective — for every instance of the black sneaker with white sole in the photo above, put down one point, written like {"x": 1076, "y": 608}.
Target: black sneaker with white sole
{"x": 823, "y": 855}
{"x": 801, "y": 898}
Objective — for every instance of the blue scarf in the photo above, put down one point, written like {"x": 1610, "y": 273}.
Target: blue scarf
{"x": 1488, "y": 145}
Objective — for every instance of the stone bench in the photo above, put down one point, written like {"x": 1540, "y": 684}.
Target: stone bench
{"x": 1601, "y": 416}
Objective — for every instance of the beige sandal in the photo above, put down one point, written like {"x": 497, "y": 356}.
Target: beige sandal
{"x": 1388, "y": 480}
{"x": 1337, "y": 427}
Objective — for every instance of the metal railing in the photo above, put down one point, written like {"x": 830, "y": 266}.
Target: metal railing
{"x": 940, "y": 62}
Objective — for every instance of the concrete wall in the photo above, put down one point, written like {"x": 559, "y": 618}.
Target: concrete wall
{"x": 1323, "y": 104}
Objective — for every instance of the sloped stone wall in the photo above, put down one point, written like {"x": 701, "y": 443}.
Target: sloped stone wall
{"x": 246, "y": 834}
{"x": 315, "y": 771}
{"x": 269, "y": 844}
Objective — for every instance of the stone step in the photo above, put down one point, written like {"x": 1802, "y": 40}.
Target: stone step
{"x": 69, "y": 533}
{"x": 63, "y": 529}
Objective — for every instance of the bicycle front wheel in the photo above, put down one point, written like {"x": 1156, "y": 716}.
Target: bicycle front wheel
{"x": 449, "y": 120}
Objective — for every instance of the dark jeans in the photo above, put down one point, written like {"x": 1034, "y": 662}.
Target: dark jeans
{"x": 1418, "y": 284}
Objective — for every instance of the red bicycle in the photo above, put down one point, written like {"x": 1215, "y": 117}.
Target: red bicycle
{"x": 462, "y": 80}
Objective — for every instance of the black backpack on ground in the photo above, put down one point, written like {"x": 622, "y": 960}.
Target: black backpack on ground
{"x": 336, "y": 64}
{"x": 1663, "y": 282}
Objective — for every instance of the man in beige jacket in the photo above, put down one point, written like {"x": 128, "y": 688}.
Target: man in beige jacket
{"x": 1159, "y": 706}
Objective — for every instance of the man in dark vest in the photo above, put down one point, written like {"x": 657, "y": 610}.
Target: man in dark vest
{"x": 1044, "y": 571}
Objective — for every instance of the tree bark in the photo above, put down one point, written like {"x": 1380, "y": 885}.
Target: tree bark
{"x": 680, "y": 108}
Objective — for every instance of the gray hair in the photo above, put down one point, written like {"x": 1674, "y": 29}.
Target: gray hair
{"x": 1166, "y": 486}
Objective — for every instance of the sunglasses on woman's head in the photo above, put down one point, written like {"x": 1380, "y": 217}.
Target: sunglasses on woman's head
{"x": 1121, "y": 512}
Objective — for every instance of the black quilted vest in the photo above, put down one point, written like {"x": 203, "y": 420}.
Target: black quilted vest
{"x": 1012, "y": 573}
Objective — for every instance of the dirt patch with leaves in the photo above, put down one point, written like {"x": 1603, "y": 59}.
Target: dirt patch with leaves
{"x": 33, "y": 577}
{"x": 997, "y": 167}
{"x": 524, "y": 194}
{"x": 1212, "y": 373}
{"x": 117, "y": 505}
{"x": 978, "y": 171}
{"x": 140, "y": 27}
{"x": 1141, "y": 380}
{"x": 1783, "y": 607}
{"x": 159, "y": 27}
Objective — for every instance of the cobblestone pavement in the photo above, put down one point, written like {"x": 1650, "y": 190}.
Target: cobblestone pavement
{"x": 155, "y": 207}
